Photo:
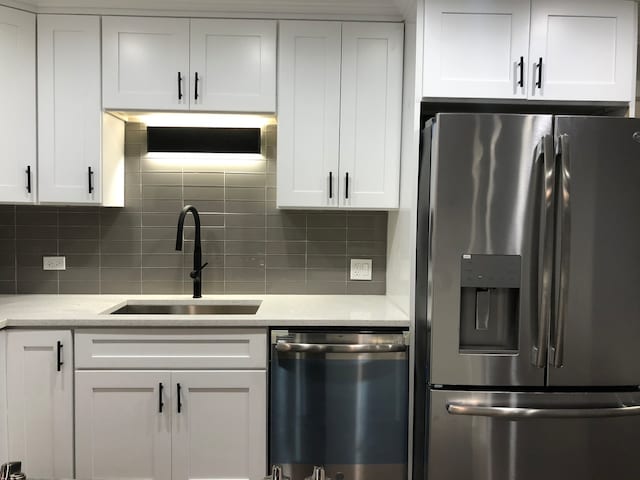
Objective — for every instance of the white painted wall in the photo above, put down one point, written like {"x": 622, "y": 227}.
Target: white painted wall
{"x": 3, "y": 397}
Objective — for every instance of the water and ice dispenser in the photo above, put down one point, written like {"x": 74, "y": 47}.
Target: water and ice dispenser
{"x": 489, "y": 303}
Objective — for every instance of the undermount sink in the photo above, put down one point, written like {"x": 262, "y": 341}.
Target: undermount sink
{"x": 213, "y": 308}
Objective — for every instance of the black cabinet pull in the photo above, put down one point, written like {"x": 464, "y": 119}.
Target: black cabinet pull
{"x": 330, "y": 184}
{"x": 91, "y": 189}
{"x": 160, "y": 402}
{"x": 59, "y": 356}
{"x": 179, "y": 398}
{"x": 196, "y": 86}
{"x": 179, "y": 86}
{"x": 521, "y": 68}
{"x": 28, "y": 178}
{"x": 346, "y": 185}
{"x": 539, "y": 66}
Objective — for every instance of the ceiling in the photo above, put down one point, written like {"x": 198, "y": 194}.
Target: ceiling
{"x": 390, "y": 10}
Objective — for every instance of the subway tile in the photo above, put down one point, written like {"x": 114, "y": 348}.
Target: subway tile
{"x": 244, "y": 261}
{"x": 162, "y": 275}
{"x": 159, "y": 246}
{"x": 366, "y": 235}
{"x": 283, "y": 287}
{"x": 208, "y": 234}
{"x": 208, "y": 248}
{"x": 114, "y": 261}
{"x": 48, "y": 246}
{"x": 78, "y": 246}
{"x": 82, "y": 261}
{"x": 7, "y": 232}
{"x": 175, "y": 260}
{"x": 285, "y": 261}
{"x": 7, "y": 274}
{"x": 36, "y": 274}
{"x": 326, "y": 288}
{"x": 80, "y": 275}
{"x": 245, "y": 234}
{"x": 204, "y": 193}
{"x": 271, "y": 194}
{"x": 245, "y": 180}
{"x": 244, "y": 275}
{"x": 244, "y": 288}
{"x": 327, "y": 261}
{"x": 366, "y": 288}
{"x": 36, "y": 232}
{"x": 74, "y": 218}
{"x": 115, "y": 218}
{"x": 208, "y": 288}
{"x": 320, "y": 220}
{"x": 241, "y": 206}
{"x": 245, "y": 248}
{"x": 206, "y": 206}
{"x": 161, "y": 178}
{"x": 8, "y": 288}
{"x": 37, "y": 287}
{"x": 29, "y": 260}
{"x": 165, "y": 192}
{"x": 287, "y": 220}
{"x": 7, "y": 215}
{"x": 366, "y": 248}
{"x": 327, "y": 248}
{"x": 120, "y": 248}
{"x": 244, "y": 193}
{"x": 326, "y": 234}
{"x": 165, "y": 287}
{"x": 157, "y": 233}
{"x": 119, "y": 287}
{"x": 376, "y": 221}
{"x": 120, "y": 275}
{"x": 244, "y": 220}
{"x": 155, "y": 205}
{"x": 210, "y": 273}
{"x": 40, "y": 216}
{"x": 327, "y": 275}
{"x": 86, "y": 232}
{"x": 286, "y": 248}
{"x": 280, "y": 234}
{"x": 79, "y": 287}
{"x": 286, "y": 275}
{"x": 120, "y": 234}
{"x": 160, "y": 219}
{"x": 203, "y": 179}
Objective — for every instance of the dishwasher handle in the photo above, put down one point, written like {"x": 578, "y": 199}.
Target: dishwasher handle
{"x": 282, "y": 346}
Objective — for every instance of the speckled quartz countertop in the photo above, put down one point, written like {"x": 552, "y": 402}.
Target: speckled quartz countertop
{"x": 82, "y": 311}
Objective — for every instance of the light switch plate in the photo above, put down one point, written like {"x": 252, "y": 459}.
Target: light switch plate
{"x": 360, "y": 269}
{"x": 54, "y": 263}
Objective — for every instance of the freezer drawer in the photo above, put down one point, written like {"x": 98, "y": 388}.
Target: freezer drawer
{"x": 555, "y": 436}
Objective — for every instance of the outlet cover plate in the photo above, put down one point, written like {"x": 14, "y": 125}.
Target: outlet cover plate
{"x": 54, "y": 263}
{"x": 360, "y": 269}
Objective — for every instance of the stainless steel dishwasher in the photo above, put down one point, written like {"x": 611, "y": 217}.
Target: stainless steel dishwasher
{"x": 340, "y": 400}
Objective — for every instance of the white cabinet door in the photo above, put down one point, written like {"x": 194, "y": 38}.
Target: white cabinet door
{"x": 145, "y": 63}
{"x": 370, "y": 120}
{"x": 308, "y": 114}
{"x": 121, "y": 431}
{"x": 69, "y": 109}
{"x": 474, "y": 49}
{"x": 18, "y": 105}
{"x": 220, "y": 431}
{"x": 234, "y": 62}
{"x": 587, "y": 50}
{"x": 40, "y": 402}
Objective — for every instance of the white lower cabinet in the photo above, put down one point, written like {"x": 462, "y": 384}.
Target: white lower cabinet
{"x": 40, "y": 402}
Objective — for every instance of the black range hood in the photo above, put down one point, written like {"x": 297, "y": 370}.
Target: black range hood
{"x": 203, "y": 140}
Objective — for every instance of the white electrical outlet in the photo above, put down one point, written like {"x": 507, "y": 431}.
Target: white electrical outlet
{"x": 360, "y": 269}
{"x": 54, "y": 263}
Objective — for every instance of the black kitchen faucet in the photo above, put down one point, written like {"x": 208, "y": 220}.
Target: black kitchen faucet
{"x": 196, "y": 273}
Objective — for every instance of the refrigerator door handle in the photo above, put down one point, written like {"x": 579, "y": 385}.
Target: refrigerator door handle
{"x": 520, "y": 413}
{"x": 564, "y": 235}
{"x": 539, "y": 351}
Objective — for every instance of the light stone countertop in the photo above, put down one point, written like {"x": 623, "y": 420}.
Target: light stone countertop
{"x": 82, "y": 311}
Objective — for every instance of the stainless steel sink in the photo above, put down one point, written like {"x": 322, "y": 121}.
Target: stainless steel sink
{"x": 220, "y": 308}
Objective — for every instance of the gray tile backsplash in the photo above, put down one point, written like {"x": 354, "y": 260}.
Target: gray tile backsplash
{"x": 251, "y": 246}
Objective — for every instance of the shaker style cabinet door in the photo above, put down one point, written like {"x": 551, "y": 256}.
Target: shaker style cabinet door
{"x": 18, "y": 118}
{"x": 69, "y": 109}
{"x": 40, "y": 403}
{"x": 586, "y": 50}
{"x": 476, "y": 49}
{"x": 220, "y": 427}
{"x": 308, "y": 114}
{"x": 370, "y": 117}
{"x": 123, "y": 425}
{"x": 145, "y": 63}
{"x": 233, "y": 65}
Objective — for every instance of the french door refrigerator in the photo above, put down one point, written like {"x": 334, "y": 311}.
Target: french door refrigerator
{"x": 528, "y": 293}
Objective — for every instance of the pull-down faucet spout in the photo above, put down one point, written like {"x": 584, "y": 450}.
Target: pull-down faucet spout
{"x": 196, "y": 273}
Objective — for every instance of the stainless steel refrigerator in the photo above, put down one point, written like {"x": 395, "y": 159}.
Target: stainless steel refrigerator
{"x": 528, "y": 297}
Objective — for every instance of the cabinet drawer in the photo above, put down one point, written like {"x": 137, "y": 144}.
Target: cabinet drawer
{"x": 174, "y": 348}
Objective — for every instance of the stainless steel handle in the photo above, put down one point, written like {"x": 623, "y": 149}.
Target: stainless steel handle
{"x": 516, "y": 413}
{"x": 539, "y": 351}
{"x": 564, "y": 235}
{"x": 340, "y": 347}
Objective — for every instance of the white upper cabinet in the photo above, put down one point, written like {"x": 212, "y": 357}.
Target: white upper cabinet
{"x": 476, "y": 49}
{"x": 233, "y": 65}
{"x": 40, "y": 403}
{"x": 308, "y": 114}
{"x": 69, "y": 109}
{"x": 18, "y": 118}
{"x": 370, "y": 114}
{"x": 182, "y": 64}
{"x": 339, "y": 108}
{"x": 587, "y": 50}
{"x": 571, "y": 50}
{"x": 145, "y": 63}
